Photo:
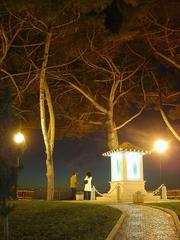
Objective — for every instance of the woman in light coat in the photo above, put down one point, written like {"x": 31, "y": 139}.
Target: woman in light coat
{"x": 87, "y": 186}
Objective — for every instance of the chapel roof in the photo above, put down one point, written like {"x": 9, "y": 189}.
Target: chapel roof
{"x": 126, "y": 147}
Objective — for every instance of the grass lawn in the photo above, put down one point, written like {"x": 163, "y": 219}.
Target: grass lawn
{"x": 43, "y": 220}
{"x": 175, "y": 206}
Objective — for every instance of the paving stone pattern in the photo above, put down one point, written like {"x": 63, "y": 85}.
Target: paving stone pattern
{"x": 146, "y": 223}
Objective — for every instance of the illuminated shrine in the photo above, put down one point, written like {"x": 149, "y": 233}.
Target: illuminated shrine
{"x": 126, "y": 172}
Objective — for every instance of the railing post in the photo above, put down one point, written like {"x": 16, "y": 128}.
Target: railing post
{"x": 93, "y": 193}
{"x": 163, "y": 192}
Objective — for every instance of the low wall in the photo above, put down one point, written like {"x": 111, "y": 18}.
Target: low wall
{"x": 41, "y": 194}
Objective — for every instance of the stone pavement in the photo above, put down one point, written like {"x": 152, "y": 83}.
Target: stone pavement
{"x": 145, "y": 223}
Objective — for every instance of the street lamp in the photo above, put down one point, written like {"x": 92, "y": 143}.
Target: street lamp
{"x": 161, "y": 146}
{"x": 19, "y": 139}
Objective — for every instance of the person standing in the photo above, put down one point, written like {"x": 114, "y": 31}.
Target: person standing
{"x": 87, "y": 186}
{"x": 73, "y": 185}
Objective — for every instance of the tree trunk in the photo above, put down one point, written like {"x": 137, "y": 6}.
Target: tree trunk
{"x": 6, "y": 228}
{"x": 48, "y": 135}
{"x": 51, "y": 135}
{"x": 5, "y": 220}
{"x": 113, "y": 141}
{"x": 50, "y": 178}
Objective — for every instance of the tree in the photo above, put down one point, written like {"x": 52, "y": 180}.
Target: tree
{"x": 163, "y": 35}
{"x": 35, "y": 65}
{"x": 43, "y": 28}
{"x": 110, "y": 90}
{"x": 8, "y": 168}
{"x": 88, "y": 80}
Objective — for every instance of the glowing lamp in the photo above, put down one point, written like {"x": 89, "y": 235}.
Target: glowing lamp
{"x": 160, "y": 146}
{"x": 19, "y": 138}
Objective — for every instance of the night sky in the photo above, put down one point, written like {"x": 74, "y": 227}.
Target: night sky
{"x": 85, "y": 154}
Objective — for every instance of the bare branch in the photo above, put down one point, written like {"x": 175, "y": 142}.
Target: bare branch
{"x": 142, "y": 86}
{"x": 171, "y": 104}
{"x": 168, "y": 59}
{"x": 131, "y": 118}
{"x": 170, "y": 49}
{"x": 122, "y": 94}
{"x": 92, "y": 65}
{"x": 27, "y": 45}
{"x": 168, "y": 124}
{"x": 93, "y": 101}
{"x": 133, "y": 72}
{"x": 13, "y": 81}
{"x": 9, "y": 43}
{"x": 173, "y": 95}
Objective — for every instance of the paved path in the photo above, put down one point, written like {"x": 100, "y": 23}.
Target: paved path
{"x": 146, "y": 223}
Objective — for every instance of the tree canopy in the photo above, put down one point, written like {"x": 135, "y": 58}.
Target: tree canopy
{"x": 123, "y": 31}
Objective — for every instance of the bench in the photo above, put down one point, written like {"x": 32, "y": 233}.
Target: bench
{"x": 24, "y": 194}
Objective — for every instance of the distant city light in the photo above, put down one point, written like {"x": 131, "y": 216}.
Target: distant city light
{"x": 160, "y": 146}
{"x": 19, "y": 138}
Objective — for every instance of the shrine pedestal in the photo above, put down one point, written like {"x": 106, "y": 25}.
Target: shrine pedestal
{"x": 125, "y": 189}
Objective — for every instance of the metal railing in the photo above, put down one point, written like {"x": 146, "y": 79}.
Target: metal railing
{"x": 158, "y": 190}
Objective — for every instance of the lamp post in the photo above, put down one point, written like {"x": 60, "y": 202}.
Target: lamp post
{"x": 161, "y": 146}
{"x": 19, "y": 139}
